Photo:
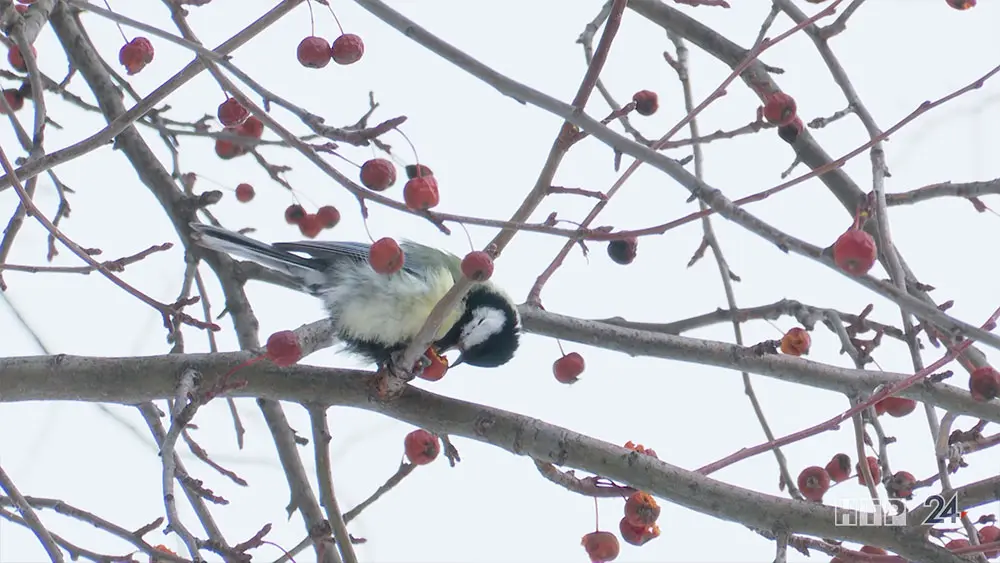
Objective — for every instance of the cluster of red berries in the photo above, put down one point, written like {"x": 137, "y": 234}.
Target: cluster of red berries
{"x": 421, "y": 447}
{"x": 780, "y": 109}
{"x": 637, "y": 527}
{"x": 316, "y": 52}
{"x": 252, "y": 128}
{"x": 420, "y": 192}
{"x": 310, "y": 224}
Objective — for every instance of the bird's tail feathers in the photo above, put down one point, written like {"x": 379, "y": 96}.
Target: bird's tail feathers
{"x": 235, "y": 244}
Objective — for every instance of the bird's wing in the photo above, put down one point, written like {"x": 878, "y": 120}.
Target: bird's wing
{"x": 331, "y": 252}
{"x": 419, "y": 257}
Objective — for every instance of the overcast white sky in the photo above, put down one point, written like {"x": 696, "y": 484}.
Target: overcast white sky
{"x": 486, "y": 151}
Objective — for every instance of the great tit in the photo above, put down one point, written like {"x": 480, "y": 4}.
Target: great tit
{"x": 375, "y": 316}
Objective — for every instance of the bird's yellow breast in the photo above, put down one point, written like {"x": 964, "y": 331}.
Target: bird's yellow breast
{"x": 394, "y": 309}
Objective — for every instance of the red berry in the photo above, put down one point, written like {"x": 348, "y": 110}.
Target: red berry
{"x": 252, "y": 127}
{"x": 477, "y": 266}
{"x": 957, "y": 544}
{"x": 779, "y": 108}
{"x": 414, "y": 170}
{"x": 313, "y": 52}
{"x": 283, "y": 348}
{"x": 14, "y": 99}
{"x": 228, "y": 149}
{"x": 328, "y": 216}
{"x": 347, "y": 49}
{"x": 637, "y": 536}
{"x": 623, "y": 251}
{"x": 232, "y": 113}
{"x": 421, "y": 447}
{"x": 872, "y": 550}
{"x": 641, "y": 510}
{"x": 872, "y": 467}
{"x": 984, "y": 383}
{"x": 16, "y": 60}
{"x": 601, "y": 546}
{"x": 135, "y": 55}
{"x": 21, "y": 8}
{"x": 901, "y": 484}
{"x": 421, "y": 193}
{"x": 244, "y": 193}
{"x": 294, "y": 214}
{"x": 895, "y": 406}
{"x": 839, "y": 468}
{"x": 796, "y": 342}
{"x": 438, "y": 367}
{"x": 646, "y": 102}
{"x": 814, "y": 482}
{"x": 962, "y": 4}
{"x": 378, "y": 174}
{"x": 568, "y": 368}
{"x": 385, "y": 256}
{"x": 310, "y": 225}
{"x": 989, "y": 534}
{"x": 789, "y": 132}
{"x": 855, "y": 252}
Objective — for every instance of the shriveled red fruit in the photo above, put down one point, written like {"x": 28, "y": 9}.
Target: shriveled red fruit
{"x": 294, "y": 214}
{"x": 347, "y": 49}
{"x": 313, "y": 52}
{"x": 228, "y": 149}
{"x": 646, "y": 102}
{"x": 872, "y": 467}
{"x": 378, "y": 174}
{"x": 415, "y": 170}
{"x": 135, "y": 55}
{"x": 962, "y": 4}
{"x": 637, "y": 536}
{"x": 16, "y": 59}
{"x": 957, "y": 544}
{"x": 244, "y": 193}
{"x": 601, "y": 546}
{"x": 568, "y": 368}
{"x": 283, "y": 348}
{"x": 421, "y": 447}
{"x": 639, "y": 448}
{"x": 901, "y": 484}
{"x": 310, "y": 225}
{"x": 779, "y": 108}
{"x": 385, "y": 256}
{"x": 252, "y": 127}
{"x": 14, "y": 99}
{"x": 984, "y": 383}
{"x": 855, "y": 252}
{"x": 814, "y": 482}
{"x": 641, "y": 509}
{"x": 623, "y": 251}
{"x": 421, "y": 193}
{"x": 328, "y": 216}
{"x": 839, "y": 468}
{"x": 989, "y": 534}
{"x": 477, "y": 266}
{"x": 232, "y": 113}
{"x": 21, "y": 8}
{"x": 790, "y": 132}
{"x": 796, "y": 342}
{"x": 438, "y": 367}
{"x": 895, "y": 406}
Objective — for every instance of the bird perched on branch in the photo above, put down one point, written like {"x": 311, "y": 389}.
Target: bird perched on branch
{"x": 376, "y": 316}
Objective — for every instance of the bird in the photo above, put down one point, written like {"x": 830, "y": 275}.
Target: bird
{"x": 375, "y": 316}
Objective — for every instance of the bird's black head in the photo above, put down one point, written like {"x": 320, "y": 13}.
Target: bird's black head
{"x": 488, "y": 333}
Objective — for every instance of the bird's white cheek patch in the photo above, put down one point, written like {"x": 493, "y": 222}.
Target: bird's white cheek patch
{"x": 486, "y": 321}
